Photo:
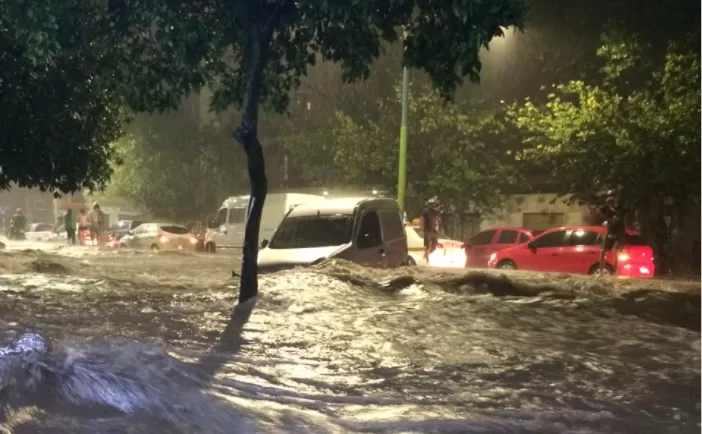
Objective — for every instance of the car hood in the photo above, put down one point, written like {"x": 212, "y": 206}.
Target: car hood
{"x": 274, "y": 257}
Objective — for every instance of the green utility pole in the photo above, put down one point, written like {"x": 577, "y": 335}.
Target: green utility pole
{"x": 402, "y": 171}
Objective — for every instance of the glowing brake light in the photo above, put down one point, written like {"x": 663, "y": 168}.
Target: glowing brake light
{"x": 193, "y": 240}
{"x": 163, "y": 239}
{"x": 623, "y": 257}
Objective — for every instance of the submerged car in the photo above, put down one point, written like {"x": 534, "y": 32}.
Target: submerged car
{"x": 482, "y": 245}
{"x": 367, "y": 231}
{"x": 577, "y": 250}
{"x": 40, "y": 232}
{"x": 159, "y": 236}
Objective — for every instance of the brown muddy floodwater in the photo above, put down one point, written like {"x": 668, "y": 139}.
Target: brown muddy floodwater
{"x": 126, "y": 342}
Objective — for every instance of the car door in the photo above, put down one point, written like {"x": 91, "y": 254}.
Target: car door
{"x": 236, "y": 226}
{"x": 545, "y": 252}
{"x": 478, "y": 251}
{"x": 581, "y": 251}
{"x": 394, "y": 238}
{"x": 370, "y": 247}
{"x": 505, "y": 238}
{"x": 141, "y": 238}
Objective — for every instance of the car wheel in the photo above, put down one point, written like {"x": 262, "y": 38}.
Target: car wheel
{"x": 210, "y": 248}
{"x": 595, "y": 270}
{"x": 507, "y": 265}
{"x": 411, "y": 262}
{"x": 154, "y": 248}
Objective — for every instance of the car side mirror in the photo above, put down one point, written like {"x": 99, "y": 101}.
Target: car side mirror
{"x": 130, "y": 232}
{"x": 212, "y": 224}
{"x": 264, "y": 243}
{"x": 531, "y": 246}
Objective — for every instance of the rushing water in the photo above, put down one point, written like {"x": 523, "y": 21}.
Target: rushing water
{"x": 339, "y": 349}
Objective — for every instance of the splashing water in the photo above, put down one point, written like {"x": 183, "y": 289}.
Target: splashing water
{"x": 340, "y": 349}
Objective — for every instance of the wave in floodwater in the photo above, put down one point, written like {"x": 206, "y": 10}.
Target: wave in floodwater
{"x": 341, "y": 349}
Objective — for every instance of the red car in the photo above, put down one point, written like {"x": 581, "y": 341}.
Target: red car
{"x": 482, "y": 245}
{"x": 577, "y": 250}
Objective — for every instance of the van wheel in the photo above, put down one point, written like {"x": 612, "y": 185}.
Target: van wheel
{"x": 154, "y": 248}
{"x": 507, "y": 265}
{"x": 595, "y": 270}
{"x": 210, "y": 248}
{"x": 411, "y": 262}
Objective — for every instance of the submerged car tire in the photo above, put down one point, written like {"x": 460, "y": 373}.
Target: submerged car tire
{"x": 506, "y": 265}
{"x": 411, "y": 262}
{"x": 210, "y": 248}
{"x": 595, "y": 270}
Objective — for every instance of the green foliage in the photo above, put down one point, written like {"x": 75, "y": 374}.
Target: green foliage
{"x": 457, "y": 152}
{"x": 644, "y": 141}
{"x": 175, "y": 170}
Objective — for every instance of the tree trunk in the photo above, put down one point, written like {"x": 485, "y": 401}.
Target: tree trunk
{"x": 247, "y": 135}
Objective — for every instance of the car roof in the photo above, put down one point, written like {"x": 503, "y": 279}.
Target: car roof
{"x": 509, "y": 228}
{"x": 336, "y": 206}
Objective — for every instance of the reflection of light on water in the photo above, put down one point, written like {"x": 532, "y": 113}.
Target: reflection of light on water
{"x": 445, "y": 258}
{"x": 43, "y": 282}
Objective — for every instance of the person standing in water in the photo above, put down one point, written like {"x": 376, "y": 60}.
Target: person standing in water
{"x": 83, "y": 225}
{"x": 69, "y": 221}
{"x": 432, "y": 226}
{"x": 611, "y": 212}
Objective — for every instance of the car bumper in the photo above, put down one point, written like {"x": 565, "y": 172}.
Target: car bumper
{"x": 636, "y": 269}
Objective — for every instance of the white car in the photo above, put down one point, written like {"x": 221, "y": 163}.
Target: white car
{"x": 159, "y": 236}
{"x": 40, "y": 232}
{"x": 448, "y": 254}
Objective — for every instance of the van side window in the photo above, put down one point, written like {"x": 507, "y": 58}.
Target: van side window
{"x": 237, "y": 215}
{"x": 369, "y": 233}
{"x": 392, "y": 224}
{"x": 221, "y": 217}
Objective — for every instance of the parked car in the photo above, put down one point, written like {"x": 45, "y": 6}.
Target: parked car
{"x": 122, "y": 228}
{"x": 449, "y": 253}
{"x": 482, "y": 245}
{"x": 368, "y": 231}
{"x": 159, "y": 236}
{"x": 577, "y": 250}
{"x": 40, "y": 232}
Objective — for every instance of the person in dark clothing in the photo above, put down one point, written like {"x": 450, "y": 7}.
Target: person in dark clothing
{"x": 611, "y": 212}
{"x": 69, "y": 222}
{"x": 432, "y": 226}
{"x": 18, "y": 224}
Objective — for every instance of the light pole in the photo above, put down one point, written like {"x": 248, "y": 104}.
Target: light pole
{"x": 402, "y": 166}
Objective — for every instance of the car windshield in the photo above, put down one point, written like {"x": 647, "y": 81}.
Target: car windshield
{"x": 313, "y": 231}
{"x": 174, "y": 229}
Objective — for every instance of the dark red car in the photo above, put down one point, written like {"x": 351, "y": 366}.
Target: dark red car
{"x": 576, "y": 249}
{"x": 482, "y": 245}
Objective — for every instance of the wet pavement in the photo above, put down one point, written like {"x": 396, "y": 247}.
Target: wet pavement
{"x": 148, "y": 343}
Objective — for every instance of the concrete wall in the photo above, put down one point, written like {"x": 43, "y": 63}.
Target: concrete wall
{"x": 537, "y": 211}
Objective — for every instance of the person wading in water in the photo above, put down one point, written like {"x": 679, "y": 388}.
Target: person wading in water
{"x": 432, "y": 226}
{"x": 611, "y": 212}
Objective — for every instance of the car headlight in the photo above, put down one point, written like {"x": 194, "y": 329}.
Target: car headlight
{"x": 493, "y": 256}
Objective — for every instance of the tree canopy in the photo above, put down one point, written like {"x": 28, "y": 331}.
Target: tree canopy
{"x": 459, "y": 152}
{"x": 174, "y": 169}
{"x": 641, "y": 140}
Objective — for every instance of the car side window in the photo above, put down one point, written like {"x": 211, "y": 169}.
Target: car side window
{"x": 523, "y": 238}
{"x": 583, "y": 238}
{"x": 392, "y": 222}
{"x": 369, "y": 232}
{"x": 140, "y": 229}
{"x": 482, "y": 238}
{"x": 507, "y": 237}
{"x": 551, "y": 239}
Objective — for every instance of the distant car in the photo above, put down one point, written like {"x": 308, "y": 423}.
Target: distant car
{"x": 122, "y": 228}
{"x": 159, "y": 236}
{"x": 449, "y": 253}
{"x": 482, "y": 245}
{"x": 40, "y": 232}
{"x": 576, "y": 250}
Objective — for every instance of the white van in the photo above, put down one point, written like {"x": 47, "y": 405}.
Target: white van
{"x": 368, "y": 231}
{"x": 227, "y": 228}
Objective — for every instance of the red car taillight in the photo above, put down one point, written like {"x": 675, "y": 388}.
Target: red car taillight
{"x": 163, "y": 239}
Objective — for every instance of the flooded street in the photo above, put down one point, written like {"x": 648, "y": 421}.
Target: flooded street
{"x": 138, "y": 344}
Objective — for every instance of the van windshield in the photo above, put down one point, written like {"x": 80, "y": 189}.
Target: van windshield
{"x": 313, "y": 231}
